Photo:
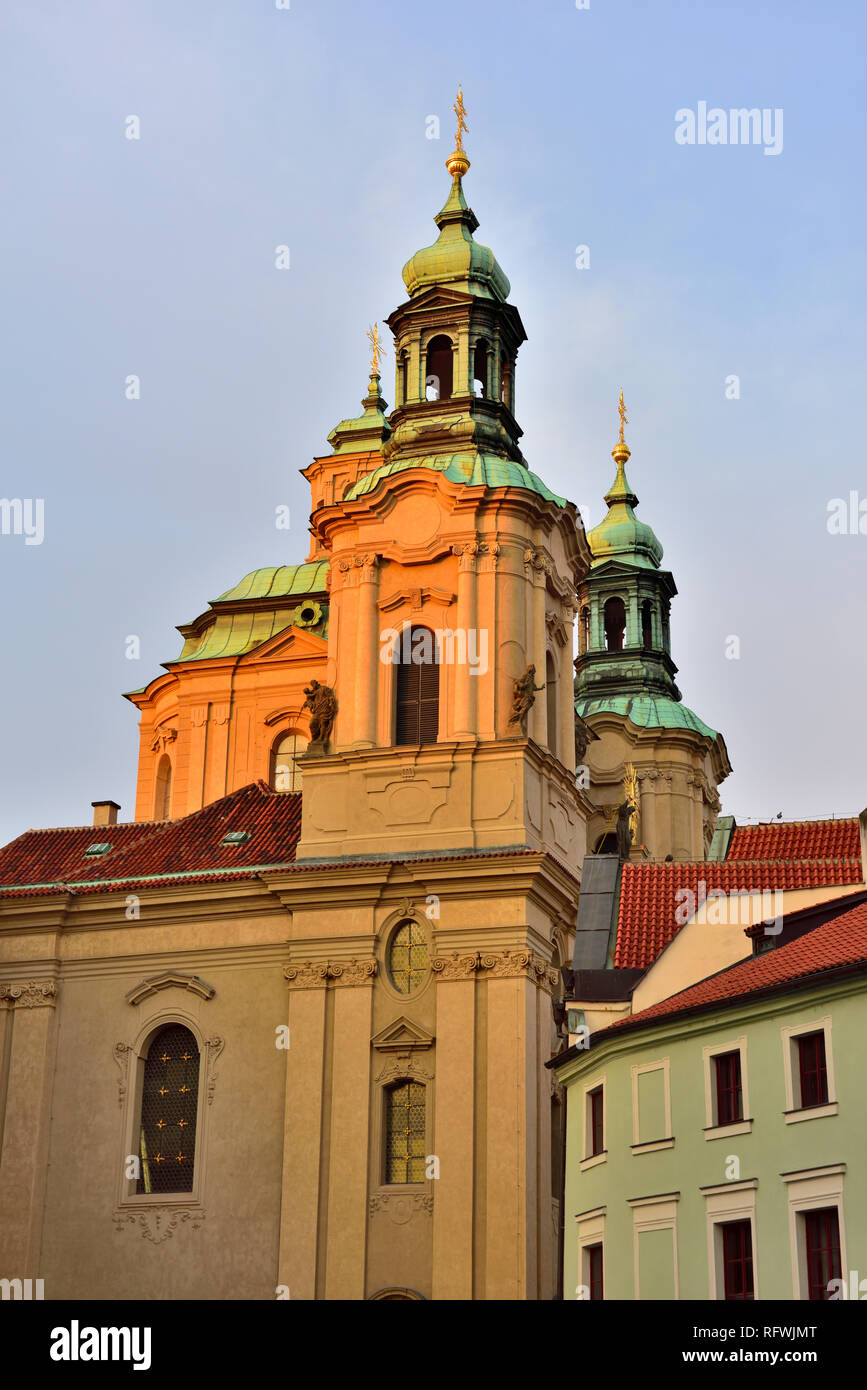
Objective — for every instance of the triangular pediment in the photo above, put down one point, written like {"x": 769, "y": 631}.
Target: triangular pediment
{"x": 399, "y": 1035}
{"x": 291, "y": 642}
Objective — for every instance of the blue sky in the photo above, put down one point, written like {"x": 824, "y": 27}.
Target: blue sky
{"x": 307, "y": 127}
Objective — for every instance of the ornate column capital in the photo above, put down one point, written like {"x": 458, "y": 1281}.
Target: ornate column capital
{"x": 29, "y": 994}
{"x": 319, "y": 974}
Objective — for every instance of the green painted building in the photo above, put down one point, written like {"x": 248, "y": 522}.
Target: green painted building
{"x": 715, "y": 1142}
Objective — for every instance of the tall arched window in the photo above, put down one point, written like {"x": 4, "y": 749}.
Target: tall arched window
{"x": 439, "y": 373}
{"x": 169, "y": 1106}
{"x": 407, "y": 957}
{"x": 285, "y": 772}
{"x": 401, "y": 377}
{"x": 506, "y": 383}
{"x": 646, "y": 624}
{"x": 480, "y": 368}
{"x": 163, "y": 795}
{"x": 418, "y": 689}
{"x": 551, "y": 701}
{"x": 615, "y": 624}
{"x": 405, "y": 1132}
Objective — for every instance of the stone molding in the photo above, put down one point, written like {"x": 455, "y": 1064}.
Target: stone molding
{"x": 29, "y": 994}
{"x": 496, "y": 965}
{"x": 318, "y": 974}
{"x": 400, "y": 1207}
{"x": 157, "y": 1224}
{"x": 166, "y": 980}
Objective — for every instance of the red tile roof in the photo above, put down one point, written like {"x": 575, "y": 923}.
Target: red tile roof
{"x": 808, "y": 839}
{"x": 836, "y": 945}
{"x": 778, "y": 854}
{"x": 647, "y": 919}
{"x": 148, "y": 849}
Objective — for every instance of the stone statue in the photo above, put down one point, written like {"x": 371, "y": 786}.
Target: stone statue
{"x": 624, "y": 833}
{"x": 322, "y": 703}
{"x": 583, "y": 736}
{"x": 524, "y": 695}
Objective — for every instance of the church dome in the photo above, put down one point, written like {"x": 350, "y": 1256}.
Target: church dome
{"x": 455, "y": 259}
{"x": 621, "y": 536}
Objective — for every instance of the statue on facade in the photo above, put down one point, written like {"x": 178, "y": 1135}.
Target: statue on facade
{"x": 624, "y": 831}
{"x": 583, "y": 735}
{"x": 524, "y": 695}
{"x": 322, "y": 703}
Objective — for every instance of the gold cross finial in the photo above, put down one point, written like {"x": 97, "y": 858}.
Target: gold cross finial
{"x": 377, "y": 350}
{"x": 460, "y": 111}
{"x": 623, "y": 420}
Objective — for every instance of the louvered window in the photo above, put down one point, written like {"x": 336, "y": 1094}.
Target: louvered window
{"x": 418, "y": 690}
{"x": 170, "y": 1099}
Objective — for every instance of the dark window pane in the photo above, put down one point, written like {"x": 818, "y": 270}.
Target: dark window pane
{"x": 594, "y": 1270}
{"x": 418, "y": 684}
{"x": 812, "y": 1069}
{"x": 738, "y": 1260}
{"x": 822, "y": 1240}
{"x": 729, "y": 1099}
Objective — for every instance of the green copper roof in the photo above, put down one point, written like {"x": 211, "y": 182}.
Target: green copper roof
{"x": 647, "y": 713}
{"x": 455, "y": 259}
{"x": 366, "y": 431}
{"x": 232, "y": 634}
{"x": 473, "y": 469}
{"x": 279, "y": 581}
{"x": 621, "y": 535}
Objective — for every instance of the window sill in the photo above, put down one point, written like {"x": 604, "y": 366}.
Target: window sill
{"x": 810, "y": 1112}
{"x": 159, "y": 1199}
{"x": 652, "y": 1145}
{"x": 727, "y": 1131}
{"x": 592, "y": 1161}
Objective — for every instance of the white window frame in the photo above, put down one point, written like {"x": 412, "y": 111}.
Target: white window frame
{"x": 729, "y": 1201}
{"x": 665, "y": 1141}
{"x": 812, "y": 1189}
{"x": 591, "y": 1231}
{"x": 795, "y": 1114}
{"x": 591, "y": 1160}
{"x": 744, "y": 1126}
{"x": 657, "y": 1213}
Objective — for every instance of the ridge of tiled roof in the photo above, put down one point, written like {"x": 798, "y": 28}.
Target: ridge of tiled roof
{"x": 838, "y": 944}
{"x": 808, "y": 839}
{"x": 157, "y": 849}
{"x": 647, "y": 921}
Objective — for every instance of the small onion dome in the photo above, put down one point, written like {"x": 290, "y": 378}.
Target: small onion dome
{"x": 621, "y": 535}
{"x": 454, "y": 258}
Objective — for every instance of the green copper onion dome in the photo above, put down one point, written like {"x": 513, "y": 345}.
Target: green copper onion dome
{"x": 621, "y": 536}
{"x": 455, "y": 259}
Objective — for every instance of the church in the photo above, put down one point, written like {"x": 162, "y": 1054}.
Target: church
{"x": 336, "y": 930}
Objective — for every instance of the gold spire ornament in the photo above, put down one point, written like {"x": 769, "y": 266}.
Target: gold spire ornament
{"x": 377, "y": 350}
{"x": 620, "y": 452}
{"x": 623, "y": 417}
{"x": 457, "y": 162}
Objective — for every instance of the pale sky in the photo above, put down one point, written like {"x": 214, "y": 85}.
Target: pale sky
{"x": 307, "y": 127}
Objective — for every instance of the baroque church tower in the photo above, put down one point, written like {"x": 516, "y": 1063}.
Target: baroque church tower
{"x": 360, "y": 828}
{"x": 644, "y": 741}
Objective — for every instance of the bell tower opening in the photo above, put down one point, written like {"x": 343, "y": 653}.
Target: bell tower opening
{"x": 480, "y": 368}
{"x": 615, "y": 624}
{"x": 439, "y": 374}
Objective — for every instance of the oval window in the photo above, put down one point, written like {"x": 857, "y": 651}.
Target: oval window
{"x": 407, "y": 957}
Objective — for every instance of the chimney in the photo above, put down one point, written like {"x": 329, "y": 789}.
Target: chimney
{"x": 105, "y": 812}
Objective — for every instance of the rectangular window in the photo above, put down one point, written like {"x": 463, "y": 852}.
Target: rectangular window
{"x": 737, "y": 1253}
{"x": 822, "y": 1247}
{"x": 812, "y": 1069}
{"x": 594, "y": 1272}
{"x": 729, "y": 1100}
{"x": 597, "y": 1128}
